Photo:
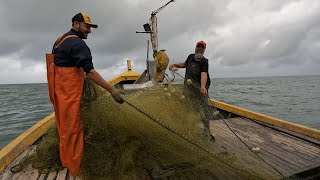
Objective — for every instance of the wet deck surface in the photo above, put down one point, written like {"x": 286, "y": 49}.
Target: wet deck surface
{"x": 281, "y": 154}
{"x": 35, "y": 175}
{"x": 280, "y": 151}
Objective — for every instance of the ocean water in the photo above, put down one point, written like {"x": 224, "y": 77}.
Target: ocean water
{"x": 295, "y": 99}
{"x": 292, "y": 98}
{"x": 21, "y": 106}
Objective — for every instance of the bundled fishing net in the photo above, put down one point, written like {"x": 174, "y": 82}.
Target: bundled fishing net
{"x": 157, "y": 134}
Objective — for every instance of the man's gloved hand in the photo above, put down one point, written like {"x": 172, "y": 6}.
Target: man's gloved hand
{"x": 116, "y": 94}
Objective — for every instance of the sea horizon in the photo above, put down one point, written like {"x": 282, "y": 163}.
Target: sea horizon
{"x": 180, "y": 77}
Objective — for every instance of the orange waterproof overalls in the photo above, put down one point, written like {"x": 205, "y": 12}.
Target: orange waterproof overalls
{"x": 65, "y": 91}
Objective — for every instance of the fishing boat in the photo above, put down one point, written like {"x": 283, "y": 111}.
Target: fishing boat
{"x": 292, "y": 149}
{"x": 286, "y": 149}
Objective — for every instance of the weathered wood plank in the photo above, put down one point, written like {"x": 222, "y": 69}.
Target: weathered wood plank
{"x": 29, "y": 174}
{"x": 41, "y": 177}
{"x": 52, "y": 175}
{"x": 7, "y": 174}
{"x": 285, "y": 152}
{"x": 225, "y": 138}
{"x": 74, "y": 177}
{"x": 62, "y": 174}
{"x": 279, "y": 140}
{"x": 77, "y": 178}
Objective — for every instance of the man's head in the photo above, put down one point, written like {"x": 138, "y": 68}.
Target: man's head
{"x": 200, "y": 49}
{"x": 81, "y": 22}
{"x": 201, "y": 44}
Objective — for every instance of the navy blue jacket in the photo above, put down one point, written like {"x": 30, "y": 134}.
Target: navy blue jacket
{"x": 73, "y": 52}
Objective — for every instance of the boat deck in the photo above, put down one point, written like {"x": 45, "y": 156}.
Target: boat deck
{"x": 33, "y": 174}
{"x": 282, "y": 154}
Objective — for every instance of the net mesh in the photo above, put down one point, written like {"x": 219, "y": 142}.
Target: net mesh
{"x": 158, "y": 133}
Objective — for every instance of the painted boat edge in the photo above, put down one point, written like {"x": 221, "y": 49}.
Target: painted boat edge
{"x": 23, "y": 141}
{"x": 297, "y": 128}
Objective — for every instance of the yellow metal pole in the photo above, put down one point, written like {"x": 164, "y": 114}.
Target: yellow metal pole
{"x": 129, "y": 65}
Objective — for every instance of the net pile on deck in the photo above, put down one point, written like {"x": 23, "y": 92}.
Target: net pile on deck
{"x": 156, "y": 134}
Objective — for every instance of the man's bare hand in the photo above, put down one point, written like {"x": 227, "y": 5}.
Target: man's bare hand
{"x": 204, "y": 90}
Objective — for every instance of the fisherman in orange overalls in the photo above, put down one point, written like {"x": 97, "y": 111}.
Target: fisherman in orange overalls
{"x": 67, "y": 66}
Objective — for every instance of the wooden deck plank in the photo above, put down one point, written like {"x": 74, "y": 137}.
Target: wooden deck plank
{"x": 29, "y": 174}
{"x": 297, "y": 146}
{"x": 272, "y": 152}
{"x": 42, "y": 177}
{"x": 288, "y": 153}
{"x": 7, "y": 174}
{"x": 52, "y": 175}
{"x": 74, "y": 177}
{"x": 62, "y": 174}
{"x": 277, "y": 140}
{"x": 228, "y": 141}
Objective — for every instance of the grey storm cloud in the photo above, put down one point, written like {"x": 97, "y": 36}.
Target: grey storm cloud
{"x": 241, "y": 35}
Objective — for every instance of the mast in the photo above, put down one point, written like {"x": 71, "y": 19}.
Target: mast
{"x": 154, "y": 33}
{"x": 152, "y": 28}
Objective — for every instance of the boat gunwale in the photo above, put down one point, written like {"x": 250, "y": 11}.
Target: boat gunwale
{"x": 11, "y": 151}
{"x": 297, "y": 128}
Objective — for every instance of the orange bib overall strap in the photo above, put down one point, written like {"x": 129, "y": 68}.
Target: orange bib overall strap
{"x": 65, "y": 90}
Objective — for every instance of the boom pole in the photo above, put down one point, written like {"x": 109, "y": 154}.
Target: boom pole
{"x": 152, "y": 28}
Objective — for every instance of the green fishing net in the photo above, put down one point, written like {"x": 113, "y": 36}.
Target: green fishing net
{"x": 158, "y": 133}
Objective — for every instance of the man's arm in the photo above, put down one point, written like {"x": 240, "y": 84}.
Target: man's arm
{"x": 96, "y": 77}
{"x": 179, "y": 65}
{"x": 204, "y": 77}
{"x": 81, "y": 53}
{"x": 203, "y": 82}
{"x": 116, "y": 93}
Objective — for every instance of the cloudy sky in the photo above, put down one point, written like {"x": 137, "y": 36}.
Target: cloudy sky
{"x": 244, "y": 38}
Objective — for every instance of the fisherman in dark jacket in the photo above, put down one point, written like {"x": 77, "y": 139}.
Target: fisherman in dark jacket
{"x": 197, "y": 81}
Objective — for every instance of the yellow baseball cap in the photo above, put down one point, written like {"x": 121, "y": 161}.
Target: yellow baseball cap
{"x": 83, "y": 17}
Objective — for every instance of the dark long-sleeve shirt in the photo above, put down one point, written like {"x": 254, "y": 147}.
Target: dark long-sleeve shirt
{"x": 202, "y": 66}
{"x": 73, "y": 52}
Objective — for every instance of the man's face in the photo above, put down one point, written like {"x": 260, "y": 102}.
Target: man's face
{"x": 83, "y": 29}
{"x": 200, "y": 48}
